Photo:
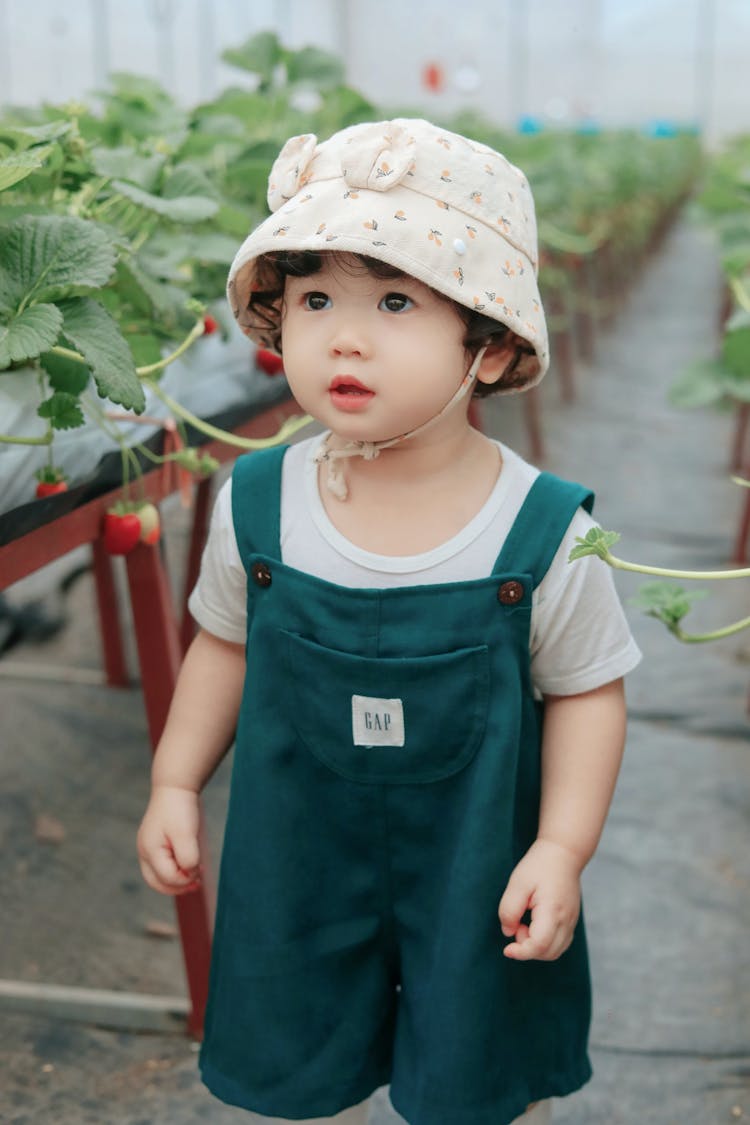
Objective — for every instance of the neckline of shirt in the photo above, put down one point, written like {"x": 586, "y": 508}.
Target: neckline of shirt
{"x": 406, "y": 564}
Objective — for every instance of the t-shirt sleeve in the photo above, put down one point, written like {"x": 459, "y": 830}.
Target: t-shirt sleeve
{"x": 580, "y": 637}
{"x": 218, "y": 601}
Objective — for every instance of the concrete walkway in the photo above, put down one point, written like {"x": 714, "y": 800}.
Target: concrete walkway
{"x": 667, "y": 899}
{"x": 668, "y": 908}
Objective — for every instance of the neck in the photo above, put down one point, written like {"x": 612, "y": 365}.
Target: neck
{"x": 440, "y": 450}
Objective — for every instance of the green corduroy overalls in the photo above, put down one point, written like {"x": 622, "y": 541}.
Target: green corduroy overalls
{"x": 385, "y": 783}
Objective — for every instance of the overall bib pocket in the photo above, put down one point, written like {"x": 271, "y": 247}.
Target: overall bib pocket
{"x": 388, "y": 719}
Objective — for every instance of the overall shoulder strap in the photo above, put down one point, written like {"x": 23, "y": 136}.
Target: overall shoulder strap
{"x": 256, "y": 502}
{"x": 541, "y": 524}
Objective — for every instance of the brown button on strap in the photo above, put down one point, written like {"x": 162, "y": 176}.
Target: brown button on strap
{"x": 261, "y": 574}
{"x": 510, "y": 593}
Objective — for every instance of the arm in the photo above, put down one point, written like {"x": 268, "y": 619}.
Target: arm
{"x": 582, "y": 745}
{"x": 198, "y": 732}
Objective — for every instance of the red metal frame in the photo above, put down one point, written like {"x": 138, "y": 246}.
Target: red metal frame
{"x": 160, "y": 638}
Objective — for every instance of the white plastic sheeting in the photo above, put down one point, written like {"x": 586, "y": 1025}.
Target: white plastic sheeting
{"x": 618, "y": 62}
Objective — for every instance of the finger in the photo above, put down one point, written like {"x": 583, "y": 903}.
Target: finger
{"x": 513, "y": 949}
{"x": 544, "y": 940}
{"x": 165, "y": 867}
{"x": 186, "y": 853}
{"x": 153, "y": 881}
{"x": 166, "y": 888}
{"x": 543, "y": 931}
{"x": 513, "y": 906}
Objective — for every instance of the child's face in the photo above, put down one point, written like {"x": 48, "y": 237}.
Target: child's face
{"x": 368, "y": 357}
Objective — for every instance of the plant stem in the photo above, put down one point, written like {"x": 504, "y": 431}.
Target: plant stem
{"x": 10, "y": 439}
{"x": 740, "y": 292}
{"x": 88, "y": 194}
{"x": 150, "y": 369}
{"x": 58, "y": 349}
{"x": 143, "y": 235}
{"x": 699, "y": 638}
{"x": 661, "y": 572}
{"x": 290, "y": 426}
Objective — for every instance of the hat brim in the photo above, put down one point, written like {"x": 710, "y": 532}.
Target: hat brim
{"x": 453, "y": 252}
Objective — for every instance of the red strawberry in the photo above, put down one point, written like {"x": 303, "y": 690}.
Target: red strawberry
{"x": 51, "y": 481}
{"x": 121, "y": 531}
{"x": 210, "y": 325}
{"x": 269, "y": 362}
{"x": 50, "y": 488}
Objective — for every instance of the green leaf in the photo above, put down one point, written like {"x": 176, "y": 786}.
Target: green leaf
{"x": 736, "y": 259}
{"x": 738, "y": 387}
{"x": 63, "y": 411}
{"x": 260, "y": 54}
{"x": 342, "y": 106}
{"x": 701, "y": 384}
{"x": 29, "y": 333}
{"x": 126, "y": 164}
{"x": 596, "y": 542}
{"x": 188, "y": 180}
{"x": 211, "y": 246}
{"x": 316, "y": 66}
{"x": 15, "y": 168}
{"x": 183, "y": 209}
{"x": 49, "y": 256}
{"x": 146, "y": 349}
{"x": 736, "y": 351}
{"x": 24, "y": 136}
{"x": 665, "y": 601}
{"x": 145, "y": 285}
{"x": 740, "y": 318}
{"x": 96, "y": 335}
{"x": 64, "y": 373}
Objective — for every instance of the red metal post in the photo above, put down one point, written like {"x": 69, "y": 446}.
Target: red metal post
{"x": 158, "y": 641}
{"x": 201, "y": 509}
{"x": 110, "y": 628}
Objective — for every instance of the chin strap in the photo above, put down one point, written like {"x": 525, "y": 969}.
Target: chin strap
{"x": 369, "y": 450}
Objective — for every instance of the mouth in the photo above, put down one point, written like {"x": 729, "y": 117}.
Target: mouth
{"x": 348, "y": 385}
{"x": 348, "y": 394}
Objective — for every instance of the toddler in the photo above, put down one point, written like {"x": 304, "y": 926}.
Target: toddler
{"x": 427, "y": 699}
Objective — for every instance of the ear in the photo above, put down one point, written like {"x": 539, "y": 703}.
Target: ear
{"x": 495, "y": 360}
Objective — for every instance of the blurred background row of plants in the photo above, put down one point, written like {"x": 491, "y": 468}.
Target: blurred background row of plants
{"x": 723, "y": 378}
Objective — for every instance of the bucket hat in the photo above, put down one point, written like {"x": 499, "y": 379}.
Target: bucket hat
{"x": 450, "y": 212}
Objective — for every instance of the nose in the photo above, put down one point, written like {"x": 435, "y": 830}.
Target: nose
{"x": 350, "y": 338}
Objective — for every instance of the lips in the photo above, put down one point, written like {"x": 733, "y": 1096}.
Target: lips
{"x": 349, "y": 394}
{"x": 347, "y": 384}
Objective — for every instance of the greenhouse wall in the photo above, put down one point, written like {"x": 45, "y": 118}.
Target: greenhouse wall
{"x": 542, "y": 63}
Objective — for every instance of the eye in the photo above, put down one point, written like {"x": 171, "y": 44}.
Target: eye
{"x": 396, "y": 303}
{"x": 317, "y": 301}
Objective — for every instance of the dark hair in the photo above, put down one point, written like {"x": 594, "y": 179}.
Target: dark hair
{"x": 272, "y": 270}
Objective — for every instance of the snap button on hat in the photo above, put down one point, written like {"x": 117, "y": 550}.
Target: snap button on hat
{"x": 510, "y": 593}
{"x": 261, "y": 574}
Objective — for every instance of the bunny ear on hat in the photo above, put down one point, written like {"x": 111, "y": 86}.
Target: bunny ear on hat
{"x": 289, "y": 169}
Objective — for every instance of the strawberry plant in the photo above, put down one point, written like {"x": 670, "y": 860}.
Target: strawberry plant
{"x": 665, "y": 601}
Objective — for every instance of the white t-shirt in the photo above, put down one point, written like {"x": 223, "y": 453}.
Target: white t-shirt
{"x": 579, "y": 637}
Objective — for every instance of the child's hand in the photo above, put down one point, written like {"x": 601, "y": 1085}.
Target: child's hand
{"x": 546, "y": 882}
{"x": 168, "y": 847}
